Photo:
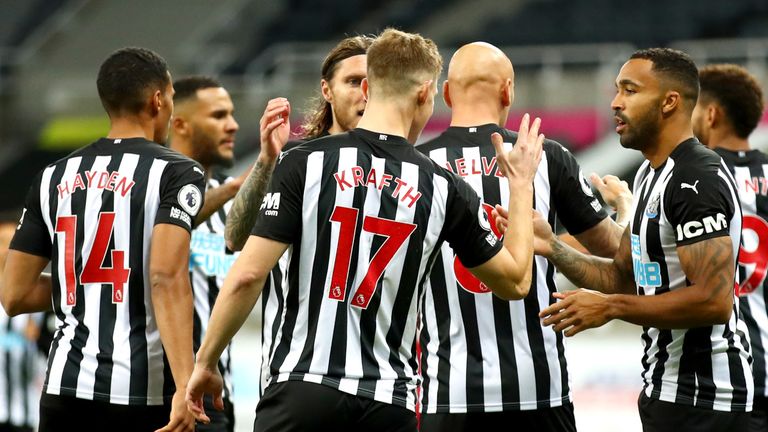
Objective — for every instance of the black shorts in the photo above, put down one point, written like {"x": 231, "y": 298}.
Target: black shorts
{"x": 661, "y": 416}
{"x": 67, "y": 414}
{"x": 7, "y": 427}
{"x": 221, "y": 421}
{"x": 557, "y": 419}
{"x": 295, "y": 406}
{"x": 758, "y": 422}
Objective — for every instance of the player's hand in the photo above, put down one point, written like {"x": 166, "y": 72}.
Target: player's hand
{"x": 543, "y": 236}
{"x": 615, "y": 192}
{"x": 522, "y": 161}
{"x": 274, "y": 128}
{"x": 500, "y": 217}
{"x": 202, "y": 382}
{"x": 577, "y": 311}
{"x": 181, "y": 420}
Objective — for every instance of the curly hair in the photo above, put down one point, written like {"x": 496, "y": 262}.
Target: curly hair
{"x": 737, "y": 92}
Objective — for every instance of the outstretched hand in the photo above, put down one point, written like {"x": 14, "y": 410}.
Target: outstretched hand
{"x": 275, "y": 127}
{"x": 577, "y": 310}
{"x": 522, "y": 161}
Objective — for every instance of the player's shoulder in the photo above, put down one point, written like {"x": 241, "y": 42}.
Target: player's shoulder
{"x": 693, "y": 159}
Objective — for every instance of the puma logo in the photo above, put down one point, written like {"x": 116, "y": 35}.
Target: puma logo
{"x": 688, "y": 186}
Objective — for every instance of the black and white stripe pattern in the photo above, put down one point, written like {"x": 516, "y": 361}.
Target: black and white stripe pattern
{"x": 481, "y": 353}
{"x": 108, "y": 348}
{"x": 209, "y": 263}
{"x": 368, "y": 351}
{"x": 707, "y": 367}
{"x": 19, "y": 390}
{"x": 750, "y": 171}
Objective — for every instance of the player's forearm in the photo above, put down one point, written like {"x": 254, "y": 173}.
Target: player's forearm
{"x": 683, "y": 308}
{"x": 245, "y": 208}
{"x": 590, "y": 271}
{"x": 518, "y": 239}
{"x": 172, "y": 302}
{"x": 214, "y": 200}
{"x": 27, "y": 298}
{"x": 236, "y": 299}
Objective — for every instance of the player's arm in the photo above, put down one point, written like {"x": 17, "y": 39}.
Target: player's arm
{"x": 603, "y": 239}
{"x": 215, "y": 198}
{"x": 708, "y": 265}
{"x": 236, "y": 299}
{"x": 24, "y": 288}
{"x": 274, "y": 129}
{"x": 508, "y": 273}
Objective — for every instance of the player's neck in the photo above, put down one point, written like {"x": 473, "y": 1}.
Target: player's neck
{"x": 670, "y": 136}
{"x": 130, "y": 127}
{"x": 730, "y": 142}
{"x": 474, "y": 115}
{"x": 387, "y": 117}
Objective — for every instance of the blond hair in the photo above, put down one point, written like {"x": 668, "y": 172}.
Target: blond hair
{"x": 399, "y": 61}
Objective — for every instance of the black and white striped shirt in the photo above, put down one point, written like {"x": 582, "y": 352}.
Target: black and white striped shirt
{"x": 750, "y": 170}
{"x": 19, "y": 389}
{"x": 92, "y": 213}
{"x": 691, "y": 197}
{"x": 364, "y": 214}
{"x": 481, "y": 353}
{"x": 209, "y": 263}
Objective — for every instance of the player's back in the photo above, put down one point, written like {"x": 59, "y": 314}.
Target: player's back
{"x": 98, "y": 207}
{"x": 750, "y": 171}
{"x": 372, "y": 213}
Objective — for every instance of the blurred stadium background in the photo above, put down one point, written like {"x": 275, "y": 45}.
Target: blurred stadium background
{"x": 566, "y": 54}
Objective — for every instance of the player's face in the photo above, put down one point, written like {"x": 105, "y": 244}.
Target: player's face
{"x": 163, "y": 124}
{"x": 637, "y": 105}
{"x": 344, "y": 94}
{"x": 213, "y": 127}
{"x": 698, "y": 121}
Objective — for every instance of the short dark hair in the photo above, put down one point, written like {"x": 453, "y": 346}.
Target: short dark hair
{"x": 187, "y": 87}
{"x": 126, "y": 75}
{"x": 737, "y": 92}
{"x": 677, "y": 67}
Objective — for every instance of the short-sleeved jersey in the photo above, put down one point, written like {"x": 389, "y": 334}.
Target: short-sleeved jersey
{"x": 688, "y": 199}
{"x": 209, "y": 263}
{"x": 479, "y": 352}
{"x": 92, "y": 213}
{"x": 750, "y": 171}
{"x": 364, "y": 214}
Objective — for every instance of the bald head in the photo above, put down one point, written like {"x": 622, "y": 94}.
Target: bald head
{"x": 480, "y": 75}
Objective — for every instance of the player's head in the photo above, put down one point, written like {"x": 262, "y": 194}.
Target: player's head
{"x": 135, "y": 82}
{"x": 204, "y": 125}
{"x": 731, "y": 100}
{"x": 480, "y": 78}
{"x": 404, "y": 68}
{"x": 341, "y": 103}
{"x": 655, "y": 87}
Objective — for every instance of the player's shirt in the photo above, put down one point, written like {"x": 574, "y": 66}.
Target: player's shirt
{"x": 364, "y": 215}
{"x": 690, "y": 198}
{"x": 481, "y": 353}
{"x": 209, "y": 263}
{"x": 92, "y": 213}
{"x": 19, "y": 391}
{"x": 750, "y": 170}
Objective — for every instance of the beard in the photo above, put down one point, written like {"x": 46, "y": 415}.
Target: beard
{"x": 641, "y": 132}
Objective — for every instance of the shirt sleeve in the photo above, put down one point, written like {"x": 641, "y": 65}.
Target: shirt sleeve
{"x": 181, "y": 194}
{"x": 577, "y": 207}
{"x": 32, "y": 235}
{"x": 467, "y": 228}
{"x": 698, "y": 205}
{"x": 280, "y": 211}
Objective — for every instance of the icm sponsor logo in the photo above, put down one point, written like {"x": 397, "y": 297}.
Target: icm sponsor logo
{"x": 271, "y": 204}
{"x": 707, "y": 225}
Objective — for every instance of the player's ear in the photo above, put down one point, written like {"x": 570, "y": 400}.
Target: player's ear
{"x": 179, "y": 125}
{"x": 423, "y": 94}
{"x": 672, "y": 101}
{"x": 365, "y": 89}
{"x": 507, "y": 93}
{"x": 447, "y": 94}
{"x": 156, "y": 102}
{"x": 325, "y": 89}
{"x": 714, "y": 115}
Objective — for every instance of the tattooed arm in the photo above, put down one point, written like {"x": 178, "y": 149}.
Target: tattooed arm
{"x": 274, "y": 129}
{"x": 708, "y": 265}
